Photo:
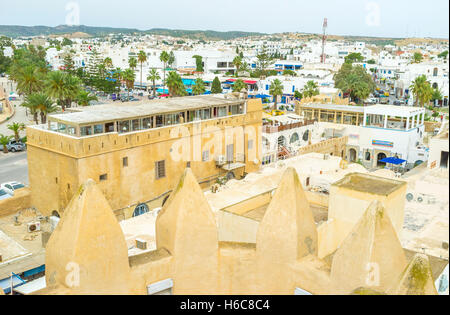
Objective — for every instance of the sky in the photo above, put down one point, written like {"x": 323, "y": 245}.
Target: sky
{"x": 389, "y": 18}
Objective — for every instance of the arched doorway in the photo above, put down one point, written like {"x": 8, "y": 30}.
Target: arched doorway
{"x": 294, "y": 138}
{"x": 140, "y": 210}
{"x": 380, "y": 157}
{"x": 352, "y": 155}
{"x": 55, "y": 214}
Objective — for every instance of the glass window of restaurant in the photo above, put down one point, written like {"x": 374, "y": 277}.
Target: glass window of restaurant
{"x": 159, "y": 121}
{"x": 71, "y": 130}
{"x": 222, "y": 111}
{"x": 62, "y": 127}
{"x": 98, "y": 129}
{"x": 124, "y": 126}
{"x": 135, "y": 125}
{"x": 86, "y": 131}
{"x": 147, "y": 123}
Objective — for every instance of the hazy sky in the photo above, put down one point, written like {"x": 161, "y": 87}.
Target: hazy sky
{"x": 394, "y": 18}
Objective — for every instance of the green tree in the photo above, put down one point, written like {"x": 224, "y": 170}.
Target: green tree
{"x": 29, "y": 80}
{"x": 289, "y": 73}
{"x": 175, "y": 84}
{"x": 263, "y": 61}
{"x": 164, "y": 57}
{"x": 142, "y": 57}
{"x": 442, "y": 55}
{"x": 417, "y": 57}
{"x": 198, "y": 63}
{"x": 199, "y": 87}
{"x": 239, "y": 85}
{"x": 66, "y": 42}
{"x": 153, "y": 76}
{"x": 216, "y": 87}
{"x": 310, "y": 89}
{"x": 84, "y": 98}
{"x": 108, "y": 63}
{"x": 171, "y": 60}
{"x": 298, "y": 94}
{"x": 354, "y": 57}
{"x": 16, "y": 128}
{"x": 276, "y": 89}
{"x": 35, "y": 102}
{"x": 437, "y": 95}
{"x": 132, "y": 63}
{"x": 237, "y": 62}
{"x": 421, "y": 90}
{"x": 4, "y": 140}
{"x": 355, "y": 81}
{"x": 62, "y": 87}
{"x": 129, "y": 77}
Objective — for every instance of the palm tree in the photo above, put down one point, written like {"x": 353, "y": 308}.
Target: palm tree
{"x": 142, "y": 57}
{"x": 73, "y": 88}
{"x": 310, "y": 89}
{"x": 153, "y": 76}
{"x": 276, "y": 89}
{"x": 132, "y": 62}
{"x": 164, "y": 57}
{"x": 36, "y": 101}
{"x": 29, "y": 80}
{"x": 237, "y": 62}
{"x": 239, "y": 85}
{"x": 422, "y": 90}
{"x": 117, "y": 75}
{"x": 56, "y": 87}
{"x": 84, "y": 98}
{"x": 199, "y": 87}
{"x": 46, "y": 107}
{"x": 16, "y": 128}
{"x": 175, "y": 84}
{"x": 108, "y": 63}
{"x": 4, "y": 140}
{"x": 129, "y": 76}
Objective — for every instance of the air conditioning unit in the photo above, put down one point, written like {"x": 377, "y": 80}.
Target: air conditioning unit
{"x": 33, "y": 227}
{"x": 221, "y": 160}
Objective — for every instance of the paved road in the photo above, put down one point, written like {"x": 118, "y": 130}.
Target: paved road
{"x": 20, "y": 114}
{"x": 14, "y": 167}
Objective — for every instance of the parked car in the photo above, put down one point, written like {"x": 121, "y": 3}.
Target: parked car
{"x": 4, "y": 194}
{"x": 10, "y": 187}
{"x": 14, "y": 146}
{"x": 384, "y": 100}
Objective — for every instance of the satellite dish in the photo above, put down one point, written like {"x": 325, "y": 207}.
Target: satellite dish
{"x": 409, "y": 197}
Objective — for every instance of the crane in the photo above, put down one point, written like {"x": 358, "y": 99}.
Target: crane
{"x": 324, "y": 40}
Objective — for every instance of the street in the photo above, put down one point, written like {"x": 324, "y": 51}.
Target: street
{"x": 14, "y": 167}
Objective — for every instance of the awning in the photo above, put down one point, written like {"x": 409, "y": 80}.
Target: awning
{"x": 393, "y": 160}
{"x": 5, "y": 284}
{"x": 32, "y": 286}
{"x": 245, "y": 81}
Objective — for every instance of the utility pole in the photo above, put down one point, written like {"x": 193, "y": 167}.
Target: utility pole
{"x": 324, "y": 40}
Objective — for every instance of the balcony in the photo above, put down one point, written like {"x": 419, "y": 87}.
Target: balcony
{"x": 274, "y": 129}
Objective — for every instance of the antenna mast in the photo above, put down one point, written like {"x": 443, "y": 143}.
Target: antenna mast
{"x": 324, "y": 40}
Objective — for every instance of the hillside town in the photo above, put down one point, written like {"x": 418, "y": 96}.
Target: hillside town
{"x": 193, "y": 166}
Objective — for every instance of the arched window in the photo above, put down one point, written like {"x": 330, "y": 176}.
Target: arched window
{"x": 140, "y": 210}
{"x": 306, "y": 135}
{"x": 435, "y": 85}
{"x": 368, "y": 156}
{"x": 55, "y": 214}
{"x": 294, "y": 138}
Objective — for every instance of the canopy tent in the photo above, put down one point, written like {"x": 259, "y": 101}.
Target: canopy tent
{"x": 393, "y": 160}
